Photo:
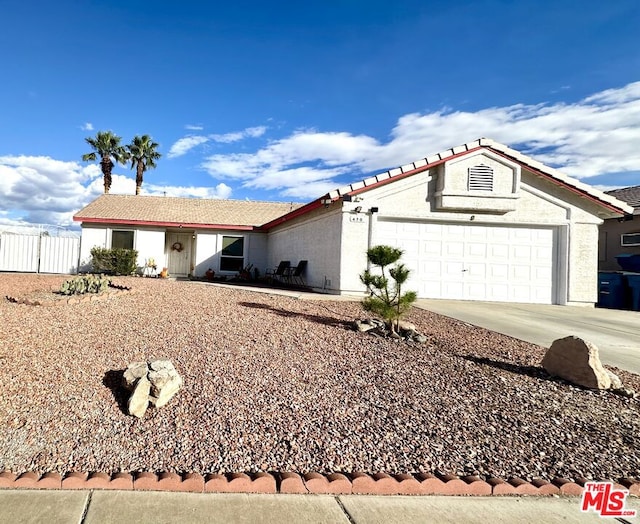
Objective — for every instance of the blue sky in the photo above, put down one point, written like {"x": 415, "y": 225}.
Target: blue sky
{"x": 287, "y": 100}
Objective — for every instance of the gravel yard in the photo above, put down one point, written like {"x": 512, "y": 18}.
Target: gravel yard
{"x": 273, "y": 383}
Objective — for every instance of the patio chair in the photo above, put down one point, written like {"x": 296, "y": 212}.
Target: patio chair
{"x": 280, "y": 272}
{"x": 294, "y": 275}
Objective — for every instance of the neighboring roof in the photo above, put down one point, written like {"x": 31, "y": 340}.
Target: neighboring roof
{"x": 630, "y": 195}
{"x": 186, "y": 212}
{"x": 607, "y": 201}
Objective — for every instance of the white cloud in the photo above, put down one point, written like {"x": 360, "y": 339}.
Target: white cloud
{"x": 87, "y": 126}
{"x": 227, "y": 138}
{"x": 194, "y": 127}
{"x": 220, "y": 191}
{"x": 184, "y": 145}
{"x": 249, "y": 132}
{"x": 599, "y": 134}
{"x": 41, "y": 189}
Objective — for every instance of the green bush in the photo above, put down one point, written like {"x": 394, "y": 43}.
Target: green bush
{"x": 85, "y": 284}
{"x": 116, "y": 261}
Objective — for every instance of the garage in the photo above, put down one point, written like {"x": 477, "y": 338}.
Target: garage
{"x": 475, "y": 261}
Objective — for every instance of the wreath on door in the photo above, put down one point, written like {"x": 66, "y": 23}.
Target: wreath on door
{"x": 177, "y": 246}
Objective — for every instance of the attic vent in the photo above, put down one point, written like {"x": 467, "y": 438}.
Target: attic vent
{"x": 480, "y": 178}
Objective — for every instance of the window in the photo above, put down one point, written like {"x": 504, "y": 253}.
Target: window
{"x": 481, "y": 178}
{"x": 630, "y": 239}
{"x": 232, "y": 258}
{"x": 122, "y": 239}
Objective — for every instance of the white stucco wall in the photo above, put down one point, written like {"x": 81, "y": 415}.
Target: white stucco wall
{"x": 150, "y": 243}
{"x": 209, "y": 245}
{"x": 92, "y": 236}
{"x": 315, "y": 237}
{"x": 206, "y": 255}
{"x": 257, "y": 252}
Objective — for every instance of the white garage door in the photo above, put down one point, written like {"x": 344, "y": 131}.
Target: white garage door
{"x": 474, "y": 262}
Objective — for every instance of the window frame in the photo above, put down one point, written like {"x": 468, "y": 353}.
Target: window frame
{"x": 224, "y": 258}
{"x": 133, "y": 238}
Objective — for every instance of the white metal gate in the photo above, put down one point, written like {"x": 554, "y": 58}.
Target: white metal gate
{"x": 39, "y": 253}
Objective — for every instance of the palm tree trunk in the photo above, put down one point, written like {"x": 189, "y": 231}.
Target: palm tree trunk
{"x": 107, "y": 166}
{"x": 139, "y": 173}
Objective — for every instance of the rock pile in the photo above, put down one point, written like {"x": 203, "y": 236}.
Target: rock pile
{"x": 153, "y": 383}
{"x": 406, "y": 330}
{"x": 578, "y": 361}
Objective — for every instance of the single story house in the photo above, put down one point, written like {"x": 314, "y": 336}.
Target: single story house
{"x": 620, "y": 236}
{"x": 479, "y": 221}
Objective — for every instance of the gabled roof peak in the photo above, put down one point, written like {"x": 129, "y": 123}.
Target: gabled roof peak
{"x": 487, "y": 143}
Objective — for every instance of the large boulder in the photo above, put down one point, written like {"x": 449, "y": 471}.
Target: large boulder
{"x": 577, "y": 361}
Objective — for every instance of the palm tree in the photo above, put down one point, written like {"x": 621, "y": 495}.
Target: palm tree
{"x": 142, "y": 153}
{"x": 106, "y": 145}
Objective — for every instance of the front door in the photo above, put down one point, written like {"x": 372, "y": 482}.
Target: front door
{"x": 179, "y": 254}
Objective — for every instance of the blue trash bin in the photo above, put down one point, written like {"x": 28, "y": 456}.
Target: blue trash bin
{"x": 634, "y": 290}
{"x": 612, "y": 291}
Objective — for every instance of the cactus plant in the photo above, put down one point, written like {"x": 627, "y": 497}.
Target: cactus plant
{"x": 85, "y": 284}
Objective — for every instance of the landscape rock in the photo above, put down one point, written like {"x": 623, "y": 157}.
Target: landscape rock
{"x": 139, "y": 400}
{"x": 133, "y": 373}
{"x": 165, "y": 382}
{"x": 616, "y": 383}
{"x": 403, "y": 325}
{"x": 155, "y": 383}
{"x": 577, "y": 361}
{"x": 363, "y": 326}
{"x": 406, "y": 330}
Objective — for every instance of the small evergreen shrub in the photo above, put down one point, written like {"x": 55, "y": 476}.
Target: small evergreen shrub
{"x": 85, "y": 284}
{"x": 116, "y": 261}
{"x": 386, "y": 298}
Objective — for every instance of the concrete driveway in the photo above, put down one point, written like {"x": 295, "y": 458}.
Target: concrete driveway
{"x": 616, "y": 333}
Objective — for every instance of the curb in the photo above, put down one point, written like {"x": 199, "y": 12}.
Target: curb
{"x": 357, "y": 483}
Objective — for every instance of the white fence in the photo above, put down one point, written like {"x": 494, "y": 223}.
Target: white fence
{"x": 39, "y": 253}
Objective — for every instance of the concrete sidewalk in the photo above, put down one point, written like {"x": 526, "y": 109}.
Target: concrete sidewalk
{"x": 615, "y": 332}
{"x": 89, "y": 507}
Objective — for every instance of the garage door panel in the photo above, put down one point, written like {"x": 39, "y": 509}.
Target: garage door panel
{"x": 453, "y": 248}
{"x": 498, "y": 234}
{"x": 497, "y": 292}
{"x": 521, "y": 253}
{"x": 498, "y": 272}
{"x": 476, "y": 249}
{"x": 475, "y": 262}
{"x": 431, "y": 249}
{"x": 498, "y": 251}
{"x": 451, "y": 289}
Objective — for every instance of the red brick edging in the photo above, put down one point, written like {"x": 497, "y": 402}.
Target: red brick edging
{"x": 317, "y": 483}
